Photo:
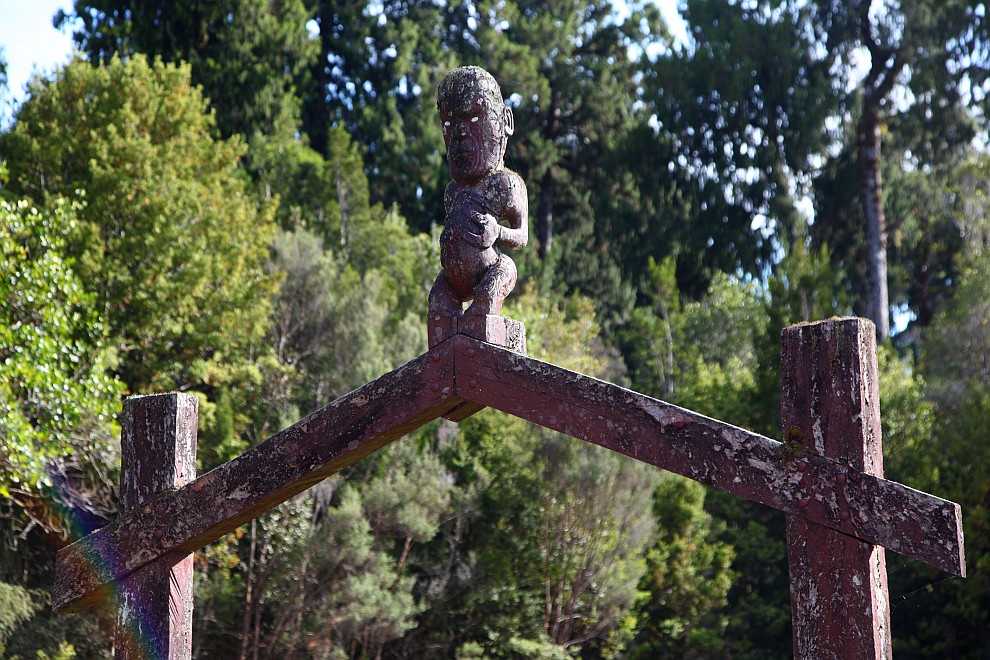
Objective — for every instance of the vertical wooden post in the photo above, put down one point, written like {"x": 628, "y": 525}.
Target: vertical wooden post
{"x": 830, "y": 406}
{"x": 158, "y": 454}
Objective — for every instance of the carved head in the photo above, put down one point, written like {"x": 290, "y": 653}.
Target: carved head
{"x": 476, "y": 123}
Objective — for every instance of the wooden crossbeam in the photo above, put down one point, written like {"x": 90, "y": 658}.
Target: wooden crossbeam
{"x": 464, "y": 370}
{"x": 743, "y": 463}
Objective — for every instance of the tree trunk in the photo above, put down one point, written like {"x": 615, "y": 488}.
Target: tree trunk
{"x": 925, "y": 267}
{"x": 887, "y": 62}
{"x": 316, "y": 110}
{"x": 544, "y": 214}
{"x": 544, "y": 209}
{"x": 871, "y": 198}
{"x": 248, "y": 595}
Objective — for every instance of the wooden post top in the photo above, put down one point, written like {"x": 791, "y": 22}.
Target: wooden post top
{"x": 830, "y": 406}
{"x": 158, "y": 454}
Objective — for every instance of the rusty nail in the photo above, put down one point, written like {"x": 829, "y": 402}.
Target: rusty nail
{"x": 158, "y": 534}
{"x": 804, "y": 502}
{"x": 840, "y": 478}
{"x": 435, "y": 357}
{"x": 843, "y": 516}
{"x": 471, "y": 352}
{"x": 801, "y": 466}
{"x": 435, "y": 387}
{"x": 125, "y": 536}
{"x": 473, "y": 383}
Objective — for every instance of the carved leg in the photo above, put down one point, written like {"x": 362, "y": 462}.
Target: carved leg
{"x": 443, "y": 299}
{"x": 496, "y": 284}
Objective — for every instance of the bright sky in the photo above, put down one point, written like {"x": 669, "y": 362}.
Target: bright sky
{"x": 30, "y": 44}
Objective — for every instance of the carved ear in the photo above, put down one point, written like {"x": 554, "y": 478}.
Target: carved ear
{"x": 510, "y": 121}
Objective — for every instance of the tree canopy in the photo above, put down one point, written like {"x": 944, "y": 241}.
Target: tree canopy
{"x": 171, "y": 241}
{"x": 242, "y": 200}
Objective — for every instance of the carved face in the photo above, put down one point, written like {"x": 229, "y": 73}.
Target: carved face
{"x": 475, "y": 127}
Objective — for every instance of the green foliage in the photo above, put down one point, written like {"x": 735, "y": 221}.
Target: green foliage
{"x": 406, "y": 498}
{"x": 170, "y": 242}
{"x": 702, "y": 354}
{"x": 720, "y": 356}
{"x": 948, "y": 454}
{"x": 599, "y": 187}
{"x": 962, "y": 329}
{"x": 688, "y": 576}
{"x": 933, "y": 220}
{"x": 327, "y": 323}
{"x": 912, "y": 102}
{"x": 328, "y": 572}
{"x": 933, "y": 613}
{"x": 219, "y": 440}
{"x": 29, "y": 630}
{"x": 545, "y": 538}
{"x": 745, "y": 102}
{"x": 65, "y": 651}
{"x": 565, "y": 331}
{"x": 55, "y": 392}
{"x": 376, "y": 75}
{"x": 328, "y": 196}
{"x": 16, "y": 607}
{"x": 715, "y": 347}
{"x": 4, "y": 88}
{"x": 568, "y": 73}
{"x": 550, "y": 535}
{"x": 908, "y": 422}
{"x": 719, "y": 363}
{"x": 370, "y": 602}
{"x": 247, "y": 55}
{"x": 540, "y": 647}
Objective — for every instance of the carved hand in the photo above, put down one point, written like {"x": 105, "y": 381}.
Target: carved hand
{"x": 488, "y": 230}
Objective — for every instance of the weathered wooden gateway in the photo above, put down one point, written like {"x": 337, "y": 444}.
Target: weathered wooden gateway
{"x": 826, "y": 474}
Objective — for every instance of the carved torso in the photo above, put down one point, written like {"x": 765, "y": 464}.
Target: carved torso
{"x": 467, "y": 244}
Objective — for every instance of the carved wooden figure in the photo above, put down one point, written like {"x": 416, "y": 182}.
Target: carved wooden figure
{"x": 480, "y": 197}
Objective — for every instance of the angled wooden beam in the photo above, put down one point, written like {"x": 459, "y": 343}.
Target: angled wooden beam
{"x": 830, "y": 402}
{"x": 286, "y": 464}
{"x": 817, "y": 488}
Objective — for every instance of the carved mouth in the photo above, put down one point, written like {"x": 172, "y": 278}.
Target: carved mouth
{"x": 463, "y": 156}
